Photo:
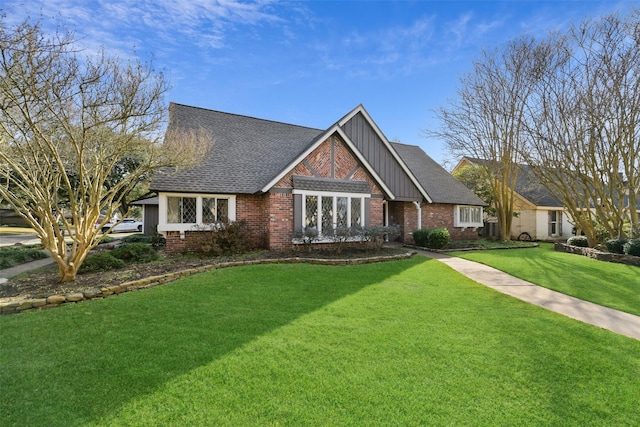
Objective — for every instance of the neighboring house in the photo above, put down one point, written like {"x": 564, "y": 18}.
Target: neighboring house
{"x": 281, "y": 178}
{"x": 538, "y": 213}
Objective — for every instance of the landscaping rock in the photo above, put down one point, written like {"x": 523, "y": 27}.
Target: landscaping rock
{"x": 92, "y": 293}
{"x": 56, "y": 299}
{"x": 75, "y": 297}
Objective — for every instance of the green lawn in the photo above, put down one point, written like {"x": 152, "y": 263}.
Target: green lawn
{"x": 609, "y": 284}
{"x": 401, "y": 343}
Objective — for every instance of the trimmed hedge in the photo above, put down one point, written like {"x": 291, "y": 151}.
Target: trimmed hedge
{"x": 632, "y": 247}
{"x": 580, "y": 241}
{"x": 616, "y": 246}
{"x": 439, "y": 238}
{"x": 421, "y": 237}
{"x": 433, "y": 238}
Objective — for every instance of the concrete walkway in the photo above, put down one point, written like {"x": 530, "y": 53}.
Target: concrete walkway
{"x": 7, "y": 273}
{"x": 587, "y": 312}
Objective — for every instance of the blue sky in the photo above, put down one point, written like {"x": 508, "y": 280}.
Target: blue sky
{"x": 311, "y": 62}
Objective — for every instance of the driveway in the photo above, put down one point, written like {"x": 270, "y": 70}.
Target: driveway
{"x": 24, "y": 238}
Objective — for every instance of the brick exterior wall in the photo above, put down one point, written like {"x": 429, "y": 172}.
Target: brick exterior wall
{"x": 333, "y": 160}
{"x": 441, "y": 215}
{"x": 253, "y": 209}
{"x": 434, "y": 215}
{"x": 270, "y": 216}
{"x": 280, "y": 216}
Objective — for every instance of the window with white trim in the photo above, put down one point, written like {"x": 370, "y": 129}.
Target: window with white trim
{"x": 468, "y": 216}
{"x": 327, "y": 211}
{"x": 555, "y": 223}
{"x": 181, "y": 212}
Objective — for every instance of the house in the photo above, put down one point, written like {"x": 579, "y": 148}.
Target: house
{"x": 538, "y": 212}
{"x": 281, "y": 178}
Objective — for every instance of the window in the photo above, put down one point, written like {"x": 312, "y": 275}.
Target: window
{"x": 468, "y": 216}
{"x": 356, "y": 212}
{"x": 311, "y": 212}
{"x": 181, "y": 210}
{"x": 328, "y": 211}
{"x": 215, "y": 210}
{"x": 555, "y": 223}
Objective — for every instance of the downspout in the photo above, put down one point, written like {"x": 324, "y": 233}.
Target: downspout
{"x": 419, "y": 208}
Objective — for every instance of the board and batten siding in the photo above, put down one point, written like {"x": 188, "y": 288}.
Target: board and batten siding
{"x": 383, "y": 162}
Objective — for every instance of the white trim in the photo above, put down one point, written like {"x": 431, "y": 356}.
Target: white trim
{"x": 334, "y": 195}
{"x": 334, "y": 129}
{"x": 456, "y": 217}
{"x": 164, "y": 225}
{"x": 360, "y": 109}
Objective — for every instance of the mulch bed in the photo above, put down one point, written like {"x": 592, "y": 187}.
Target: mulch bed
{"x": 45, "y": 281}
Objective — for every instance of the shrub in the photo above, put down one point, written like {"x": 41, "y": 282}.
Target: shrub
{"x": 632, "y": 247}
{"x": 307, "y": 235}
{"x": 616, "y": 246}
{"x": 137, "y": 238}
{"x": 135, "y": 252}
{"x": 224, "y": 238}
{"x": 341, "y": 235}
{"x": 13, "y": 255}
{"x": 580, "y": 241}
{"x": 100, "y": 262}
{"x": 438, "y": 238}
{"x": 105, "y": 238}
{"x": 421, "y": 237}
{"x": 376, "y": 236}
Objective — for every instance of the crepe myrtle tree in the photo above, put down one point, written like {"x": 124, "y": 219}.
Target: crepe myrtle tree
{"x": 486, "y": 118}
{"x": 66, "y": 122}
{"x": 584, "y": 134}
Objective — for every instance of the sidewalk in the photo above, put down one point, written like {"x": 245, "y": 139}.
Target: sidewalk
{"x": 7, "y": 273}
{"x": 587, "y": 312}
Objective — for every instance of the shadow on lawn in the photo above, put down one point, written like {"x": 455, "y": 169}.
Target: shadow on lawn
{"x": 78, "y": 364}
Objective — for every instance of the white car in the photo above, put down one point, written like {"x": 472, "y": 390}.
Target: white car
{"x": 127, "y": 225}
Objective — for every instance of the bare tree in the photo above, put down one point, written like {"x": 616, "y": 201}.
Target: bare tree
{"x": 65, "y": 122}
{"x": 584, "y": 129}
{"x": 486, "y": 119}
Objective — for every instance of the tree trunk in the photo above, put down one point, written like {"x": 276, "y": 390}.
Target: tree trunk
{"x": 68, "y": 273}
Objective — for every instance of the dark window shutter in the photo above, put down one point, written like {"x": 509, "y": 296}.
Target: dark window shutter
{"x": 367, "y": 213}
{"x": 297, "y": 212}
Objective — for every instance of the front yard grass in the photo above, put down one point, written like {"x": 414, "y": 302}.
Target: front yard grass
{"x": 605, "y": 283}
{"x": 407, "y": 342}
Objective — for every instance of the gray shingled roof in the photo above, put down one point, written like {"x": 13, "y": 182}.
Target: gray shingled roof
{"x": 313, "y": 184}
{"x": 439, "y": 184}
{"x": 247, "y": 152}
{"x": 528, "y": 186}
